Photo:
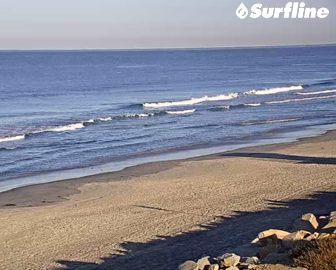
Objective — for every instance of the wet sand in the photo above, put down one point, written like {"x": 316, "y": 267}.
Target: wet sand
{"x": 157, "y": 215}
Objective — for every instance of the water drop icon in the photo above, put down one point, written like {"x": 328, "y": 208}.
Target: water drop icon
{"x": 242, "y": 11}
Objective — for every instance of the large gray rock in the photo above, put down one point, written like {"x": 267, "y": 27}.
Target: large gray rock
{"x": 188, "y": 265}
{"x": 201, "y": 263}
{"x": 290, "y": 240}
{"x": 307, "y": 222}
{"x": 228, "y": 259}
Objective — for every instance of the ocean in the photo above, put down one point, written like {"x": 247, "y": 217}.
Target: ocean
{"x": 66, "y": 114}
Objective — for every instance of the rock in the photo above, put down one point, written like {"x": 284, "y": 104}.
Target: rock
{"x": 289, "y": 240}
{"x": 275, "y": 258}
{"x": 307, "y": 222}
{"x": 243, "y": 265}
{"x": 313, "y": 236}
{"x": 278, "y": 233}
{"x": 201, "y": 263}
{"x": 228, "y": 259}
{"x": 188, "y": 265}
{"x": 250, "y": 260}
{"x": 330, "y": 227}
{"x": 248, "y": 250}
{"x": 323, "y": 235}
{"x": 232, "y": 268}
{"x": 323, "y": 220}
{"x": 264, "y": 238}
{"x": 332, "y": 215}
{"x": 212, "y": 267}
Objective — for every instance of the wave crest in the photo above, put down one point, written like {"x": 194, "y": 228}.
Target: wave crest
{"x": 190, "y": 102}
{"x": 13, "y": 138}
{"x": 276, "y": 90}
{"x": 316, "y": 93}
{"x": 181, "y": 112}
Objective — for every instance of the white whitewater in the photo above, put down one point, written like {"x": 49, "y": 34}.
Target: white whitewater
{"x": 190, "y": 102}
{"x": 272, "y": 91}
{"x": 181, "y": 112}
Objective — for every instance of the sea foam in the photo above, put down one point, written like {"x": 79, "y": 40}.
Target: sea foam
{"x": 181, "y": 112}
{"x": 271, "y": 91}
{"x": 189, "y": 102}
{"x": 13, "y": 138}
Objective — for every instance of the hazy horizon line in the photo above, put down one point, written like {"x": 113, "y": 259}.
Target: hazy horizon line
{"x": 173, "y": 48}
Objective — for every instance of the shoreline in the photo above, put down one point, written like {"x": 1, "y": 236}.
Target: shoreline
{"x": 57, "y": 191}
{"x": 285, "y": 136}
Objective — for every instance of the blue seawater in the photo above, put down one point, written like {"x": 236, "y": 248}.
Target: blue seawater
{"x": 104, "y": 110}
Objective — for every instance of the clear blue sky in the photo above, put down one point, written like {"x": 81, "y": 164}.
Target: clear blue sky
{"x": 112, "y": 24}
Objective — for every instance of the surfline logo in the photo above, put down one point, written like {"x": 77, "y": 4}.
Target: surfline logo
{"x": 292, "y": 10}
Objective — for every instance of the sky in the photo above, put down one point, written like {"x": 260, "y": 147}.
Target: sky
{"x": 138, "y": 24}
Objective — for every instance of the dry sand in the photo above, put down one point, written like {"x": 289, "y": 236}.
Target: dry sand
{"x": 158, "y": 215}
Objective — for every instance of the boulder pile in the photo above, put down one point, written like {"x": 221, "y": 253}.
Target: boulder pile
{"x": 271, "y": 247}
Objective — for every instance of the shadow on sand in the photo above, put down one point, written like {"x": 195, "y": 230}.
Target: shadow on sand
{"x": 298, "y": 159}
{"x": 214, "y": 239}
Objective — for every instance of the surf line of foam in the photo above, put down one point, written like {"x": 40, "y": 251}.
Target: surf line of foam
{"x": 83, "y": 124}
{"x": 276, "y": 90}
{"x": 181, "y": 112}
{"x": 13, "y": 138}
{"x": 316, "y": 93}
{"x": 189, "y": 102}
{"x": 298, "y": 99}
{"x": 69, "y": 127}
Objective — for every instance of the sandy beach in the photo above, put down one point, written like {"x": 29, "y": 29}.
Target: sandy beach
{"x": 158, "y": 215}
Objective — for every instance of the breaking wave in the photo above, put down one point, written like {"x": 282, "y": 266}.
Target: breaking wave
{"x": 181, "y": 112}
{"x": 237, "y": 106}
{"x": 316, "y": 93}
{"x": 271, "y": 91}
{"x": 252, "y": 104}
{"x": 13, "y": 138}
{"x": 189, "y": 102}
{"x": 83, "y": 124}
{"x": 69, "y": 127}
{"x": 105, "y": 119}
